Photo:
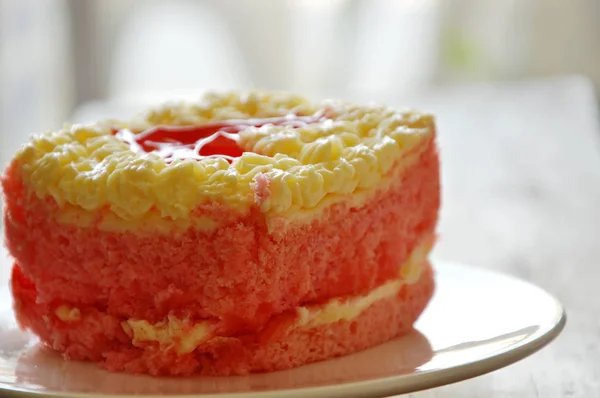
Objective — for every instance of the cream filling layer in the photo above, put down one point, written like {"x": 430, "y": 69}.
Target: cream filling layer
{"x": 184, "y": 335}
{"x": 88, "y": 167}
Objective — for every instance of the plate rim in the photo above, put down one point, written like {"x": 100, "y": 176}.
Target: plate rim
{"x": 390, "y": 385}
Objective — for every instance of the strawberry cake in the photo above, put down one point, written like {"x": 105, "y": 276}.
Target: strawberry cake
{"x": 244, "y": 232}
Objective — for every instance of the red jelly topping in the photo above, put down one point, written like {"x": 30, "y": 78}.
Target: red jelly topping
{"x": 217, "y": 139}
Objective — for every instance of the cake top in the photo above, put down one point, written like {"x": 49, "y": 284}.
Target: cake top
{"x": 274, "y": 151}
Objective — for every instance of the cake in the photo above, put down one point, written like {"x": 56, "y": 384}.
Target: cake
{"x": 240, "y": 233}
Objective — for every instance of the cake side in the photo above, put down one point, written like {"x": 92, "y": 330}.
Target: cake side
{"x": 183, "y": 347}
{"x": 240, "y": 268}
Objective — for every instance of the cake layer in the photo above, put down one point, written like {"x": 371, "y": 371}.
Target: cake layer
{"x": 241, "y": 271}
{"x": 309, "y": 334}
{"x": 284, "y": 168}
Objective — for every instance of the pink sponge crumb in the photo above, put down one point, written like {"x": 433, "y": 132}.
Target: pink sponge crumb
{"x": 99, "y": 337}
{"x": 239, "y": 271}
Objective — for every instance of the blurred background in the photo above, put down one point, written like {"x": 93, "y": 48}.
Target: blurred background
{"x": 57, "y": 55}
{"x": 503, "y": 77}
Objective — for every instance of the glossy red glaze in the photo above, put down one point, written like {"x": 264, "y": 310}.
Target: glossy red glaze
{"x": 213, "y": 139}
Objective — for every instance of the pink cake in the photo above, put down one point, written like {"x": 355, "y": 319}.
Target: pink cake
{"x": 241, "y": 233}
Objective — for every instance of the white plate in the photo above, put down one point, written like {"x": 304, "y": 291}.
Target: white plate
{"x": 478, "y": 321}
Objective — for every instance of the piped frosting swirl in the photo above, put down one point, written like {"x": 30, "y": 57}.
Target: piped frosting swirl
{"x": 280, "y": 168}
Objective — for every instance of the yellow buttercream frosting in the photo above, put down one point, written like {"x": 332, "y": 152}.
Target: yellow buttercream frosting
{"x": 284, "y": 169}
{"x": 68, "y": 314}
{"x": 180, "y": 334}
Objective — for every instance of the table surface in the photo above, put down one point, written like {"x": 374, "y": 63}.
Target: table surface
{"x": 521, "y": 189}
